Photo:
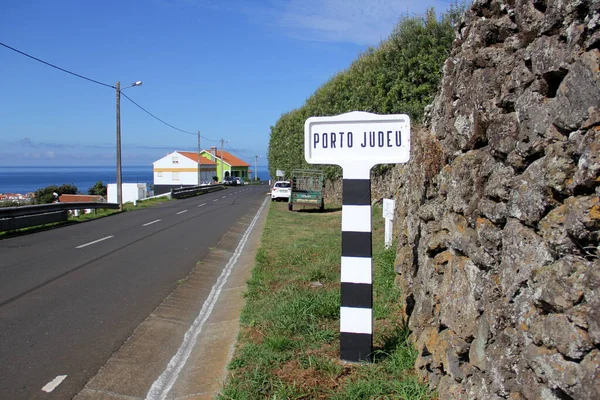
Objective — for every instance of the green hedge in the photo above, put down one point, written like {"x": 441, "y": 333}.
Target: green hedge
{"x": 401, "y": 76}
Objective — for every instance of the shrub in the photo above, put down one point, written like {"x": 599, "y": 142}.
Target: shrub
{"x": 45, "y": 195}
{"x": 401, "y": 75}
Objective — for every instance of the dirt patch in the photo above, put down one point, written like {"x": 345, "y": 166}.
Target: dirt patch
{"x": 311, "y": 379}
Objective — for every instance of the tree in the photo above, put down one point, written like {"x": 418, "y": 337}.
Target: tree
{"x": 46, "y": 196}
{"x": 99, "y": 189}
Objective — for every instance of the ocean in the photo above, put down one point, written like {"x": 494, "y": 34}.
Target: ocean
{"x": 28, "y": 179}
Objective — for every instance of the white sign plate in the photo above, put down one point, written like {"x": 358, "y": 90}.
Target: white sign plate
{"x": 357, "y": 138}
{"x": 279, "y": 173}
{"x": 388, "y": 208}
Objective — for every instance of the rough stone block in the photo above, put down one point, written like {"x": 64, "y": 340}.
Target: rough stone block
{"x": 557, "y": 332}
{"x": 578, "y": 380}
{"x": 460, "y": 296}
{"x": 560, "y": 285}
{"x": 477, "y": 355}
{"x": 522, "y": 252}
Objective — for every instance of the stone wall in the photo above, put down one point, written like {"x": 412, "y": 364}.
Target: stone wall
{"x": 498, "y": 212}
{"x": 499, "y": 215}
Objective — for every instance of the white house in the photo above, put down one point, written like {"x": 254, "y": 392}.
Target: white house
{"x": 129, "y": 192}
{"x": 180, "y": 169}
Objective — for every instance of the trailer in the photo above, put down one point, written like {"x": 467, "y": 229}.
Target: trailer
{"x": 307, "y": 189}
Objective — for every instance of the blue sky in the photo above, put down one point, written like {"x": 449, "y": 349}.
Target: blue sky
{"x": 228, "y": 68}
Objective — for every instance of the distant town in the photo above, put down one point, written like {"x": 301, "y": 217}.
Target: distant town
{"x": 17, "y": 197}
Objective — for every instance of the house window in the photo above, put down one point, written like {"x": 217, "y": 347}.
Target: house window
{"x": 159, "y": 174}
{"x": 175, "y": 176}
{"x": 175, "y": 160}
{"x": 243, "y": 174}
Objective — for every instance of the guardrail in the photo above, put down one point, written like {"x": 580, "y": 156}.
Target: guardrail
{"x": 194, "y": 191}
{"x": 158, "y": 196}
{"x": 41, "y": 214}
{"x": 26, "y": 216}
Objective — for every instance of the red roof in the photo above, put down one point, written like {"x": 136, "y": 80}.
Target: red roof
{"x": 194, "y": 157}
{"x": 227, "y": 157}
{"x": 80, "y": 198}
{"x": 231, "y": 159}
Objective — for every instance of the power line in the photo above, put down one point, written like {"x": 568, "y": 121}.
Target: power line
{"x": 155, "y": 117}
{"x": 103, "y": 84}
{"x": 237, "y": 154}
{"x": 57, "y": 67}
{"x": 164, "y": 122}
{"x": 231, "y": 148}
{"x": 210, "y": 140}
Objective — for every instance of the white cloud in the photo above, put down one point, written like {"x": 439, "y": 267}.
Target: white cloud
{"x": 363, "y": 22}
{"x": 355, "y": 21}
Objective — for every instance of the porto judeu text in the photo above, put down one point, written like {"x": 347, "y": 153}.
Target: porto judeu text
{"x": 376, "y": 139}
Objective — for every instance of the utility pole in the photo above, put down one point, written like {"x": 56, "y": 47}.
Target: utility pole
{"x": 119, "y": 175}
{"x": 199, "y": 162}
{"x": 119, "y": 178}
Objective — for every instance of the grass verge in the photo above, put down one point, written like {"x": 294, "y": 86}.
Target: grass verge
{"x": 126, "y": 207}
{"x": 288, "y": 346}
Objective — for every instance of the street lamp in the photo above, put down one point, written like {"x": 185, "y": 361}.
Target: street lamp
{"x": 222, "y": 164}
{"x": 119, "y": 176}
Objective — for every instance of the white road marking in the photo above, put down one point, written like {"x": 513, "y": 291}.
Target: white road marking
{"x": 50, "y": 386}
{"x": 203, "y": 204}
{"x": 181, "y": 212}
{"x": 162, "y": 386}
{"x": 223, "y": 197}
{"x": 94, "y": 242}
{"x": 153, "y": 222}
{"x": 216, "y": 200}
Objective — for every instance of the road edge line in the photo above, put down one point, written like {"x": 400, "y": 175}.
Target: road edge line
{"x": 164, "y": 383}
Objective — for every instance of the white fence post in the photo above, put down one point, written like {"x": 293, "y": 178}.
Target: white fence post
{"x": 388, "y": 214}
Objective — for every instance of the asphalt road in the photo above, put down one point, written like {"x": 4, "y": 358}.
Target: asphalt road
{"x": 70, "y": 297}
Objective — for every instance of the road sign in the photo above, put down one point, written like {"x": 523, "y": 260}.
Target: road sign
{"x": 280, "y": 173}
{"x": 357, "y": 141}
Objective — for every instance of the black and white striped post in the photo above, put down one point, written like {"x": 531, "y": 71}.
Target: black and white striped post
{"x": 357, "y": 141}
{"x": 356, "y": 331}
